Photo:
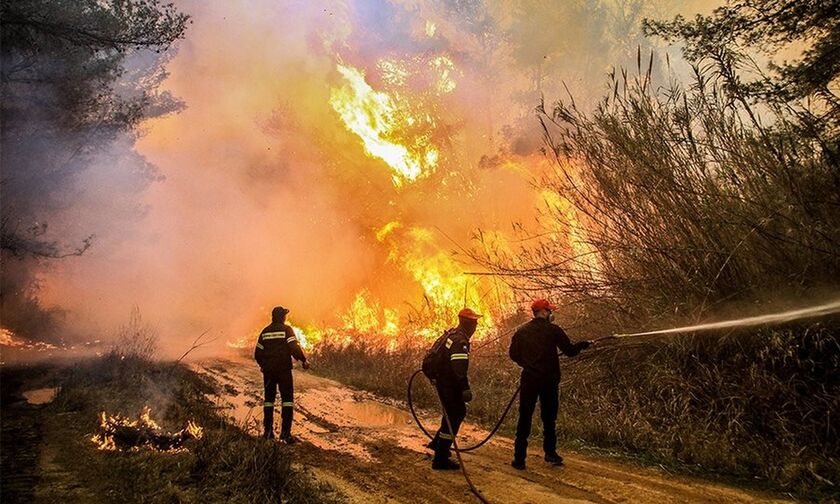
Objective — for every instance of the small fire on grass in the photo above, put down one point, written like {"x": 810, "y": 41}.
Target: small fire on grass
{"x": 122, "y": 433}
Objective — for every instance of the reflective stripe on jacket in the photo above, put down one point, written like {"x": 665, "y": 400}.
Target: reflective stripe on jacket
{"x": 276, "y": 346}
{"x": 458, "y": 359}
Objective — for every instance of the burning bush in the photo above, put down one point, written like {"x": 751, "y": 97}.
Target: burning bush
{"x": 121, "y": 433}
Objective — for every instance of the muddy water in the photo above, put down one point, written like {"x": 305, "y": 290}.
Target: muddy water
{"x": 327, "y": 414}
{"x": 41, "y": 395}
{"x": 374, "y": 414}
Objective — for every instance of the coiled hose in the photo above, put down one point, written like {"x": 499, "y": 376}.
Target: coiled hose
{"x": 469, "y": 448}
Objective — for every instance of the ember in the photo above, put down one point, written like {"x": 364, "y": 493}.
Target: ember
{"x": 121, "y": 433}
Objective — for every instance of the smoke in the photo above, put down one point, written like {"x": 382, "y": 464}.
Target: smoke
{"x": 257, "y": 193}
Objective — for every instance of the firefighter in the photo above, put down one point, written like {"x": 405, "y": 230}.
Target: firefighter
{"x": 534, "y": 348}
{"x": 276, "y": 346}
{"x": 452, "y": 384}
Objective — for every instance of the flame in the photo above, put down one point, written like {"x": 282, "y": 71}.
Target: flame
{"x": 376, "y": 119}
{"x": 7, "y": 338}
{"x": 575, "y": 234}
{"x": 146, "y": 419}
{"x": 306, "y": 338}
{"x": 10, "y": 339}
{"x": 445, "y": 288}
{"x": 363, "y": 315}
{"x": 385, "y": 230}
{"x": 145, "y": 432}
{"x": 195, "y": 430}
{"x": 444, "y": 68}
{"x": 442, "y": 278}
{"x": 393, "y": 72}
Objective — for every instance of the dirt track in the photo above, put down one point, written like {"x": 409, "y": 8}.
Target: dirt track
{"x": 373, "y": 452}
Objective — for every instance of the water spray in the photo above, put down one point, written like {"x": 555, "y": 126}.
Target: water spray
{"x": 772, "y": 318}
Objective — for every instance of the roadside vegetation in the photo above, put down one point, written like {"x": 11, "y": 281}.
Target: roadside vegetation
{"x": 225, "y": 465}
{"x": 679, "y": 197}
{"x": 756, "y": 407}
{"x": 676, "y": 199}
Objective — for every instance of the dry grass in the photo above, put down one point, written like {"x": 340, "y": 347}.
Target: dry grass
{"x": 226, "y": 465}
{"x": 746, "y": 405}
{"x": 671, "y": 203}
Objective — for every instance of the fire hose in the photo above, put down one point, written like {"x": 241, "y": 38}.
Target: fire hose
{"x": 478, "y": 445}
{"x": 473, "y": 488}
{"x": 458, "y": 451}
{"x": 469, "y": 448}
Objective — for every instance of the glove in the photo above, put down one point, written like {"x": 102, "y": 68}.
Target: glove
{"x": 467, "y": 395}
{"x": 305, "y": 364}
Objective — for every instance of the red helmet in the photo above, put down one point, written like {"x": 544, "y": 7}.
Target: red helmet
{"x": 467, "y": 313}
{"x": 542, "y": 304}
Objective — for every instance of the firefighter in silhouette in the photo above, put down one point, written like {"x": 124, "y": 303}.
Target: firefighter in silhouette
{"x": 276, "y": 346}
{"x": 534, "y": 348}
{"x": 446, "y": 366}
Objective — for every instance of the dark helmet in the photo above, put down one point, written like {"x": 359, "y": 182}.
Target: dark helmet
{"x": 279, "y": 313}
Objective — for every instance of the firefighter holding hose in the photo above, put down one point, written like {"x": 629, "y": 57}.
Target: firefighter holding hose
{"x": 276, "y": 346}
{"x": 446, "y": 366}
{"x": 534, "y": 348}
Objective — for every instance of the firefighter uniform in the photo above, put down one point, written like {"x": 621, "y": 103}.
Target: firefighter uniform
{"x": 534, "y": 348}
{"x": 452, "y": 386}
{"x": 276, "y": 346}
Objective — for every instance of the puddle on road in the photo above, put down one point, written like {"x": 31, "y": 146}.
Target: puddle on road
{"x": 367, "y": 413}
{"x": 41, "y": 395}
{"x": 327, "y": 415}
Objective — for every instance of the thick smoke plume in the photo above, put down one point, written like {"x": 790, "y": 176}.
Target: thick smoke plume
{"x": 252, "y": 188}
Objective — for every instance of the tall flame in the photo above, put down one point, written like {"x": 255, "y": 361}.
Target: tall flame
{"x": 446, "y": 289}
{"x": 375, "y": 118}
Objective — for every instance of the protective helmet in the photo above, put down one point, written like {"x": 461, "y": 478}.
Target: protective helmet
{"x": 279, "y": 312}
{"x": 468, "y": 313}
{"x": 542, "y": 304}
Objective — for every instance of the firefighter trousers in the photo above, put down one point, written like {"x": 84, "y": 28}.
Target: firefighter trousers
{"x": 453, "y": 402}
{"x": 273, "y": 380}
{"x": 548, "y": 394}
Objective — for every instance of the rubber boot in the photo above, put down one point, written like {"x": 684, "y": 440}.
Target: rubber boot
{"x": 286, "y": 415}
{"x": 433, "y": 443}
{"x": 554, "y": 458}
{"x": 268, "y": 422}
{"x": 442, "y": 462}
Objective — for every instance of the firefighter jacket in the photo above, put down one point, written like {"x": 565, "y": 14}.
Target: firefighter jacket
{"x": 534, "y": 347}
{"x": 457, "y": 351}
{"x": 276, "y": 346}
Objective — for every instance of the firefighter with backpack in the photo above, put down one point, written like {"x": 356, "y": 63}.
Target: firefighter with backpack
{"x": 446, "y": 364}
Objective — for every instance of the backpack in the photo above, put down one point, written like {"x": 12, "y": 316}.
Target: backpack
{"x": 436, "y": 358}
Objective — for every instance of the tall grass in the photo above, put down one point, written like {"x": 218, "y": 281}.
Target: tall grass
{"x": 754, "y": 405}
{"x": 674, "y": 200}
{"x": 135, "y": 339}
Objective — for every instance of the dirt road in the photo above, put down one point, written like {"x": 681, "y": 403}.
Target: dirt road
{"x": 372, "y": 451}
